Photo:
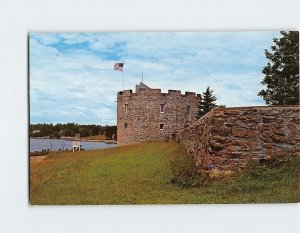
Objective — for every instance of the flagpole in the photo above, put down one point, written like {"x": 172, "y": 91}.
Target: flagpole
{"x": 142, "y": 74}
{"x": 123, "y": 79}
{"x": 123, "y": 74}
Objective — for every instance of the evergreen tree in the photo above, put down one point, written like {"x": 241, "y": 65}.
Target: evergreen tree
{"x": 207, "y": 103}
{"x": 282, "y": 72}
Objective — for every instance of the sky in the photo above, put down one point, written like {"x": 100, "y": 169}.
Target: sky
{"x": 71, "y": 75}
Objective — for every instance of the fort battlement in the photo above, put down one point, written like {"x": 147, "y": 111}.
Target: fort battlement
{"x": 150, "y": 115}
{"x": 129, "y": 92}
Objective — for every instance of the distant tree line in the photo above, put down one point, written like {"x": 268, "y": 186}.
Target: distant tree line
{"x": 70, "y": 129}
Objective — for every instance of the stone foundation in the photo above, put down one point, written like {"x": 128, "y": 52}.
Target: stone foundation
{"x": 227, "y": 139}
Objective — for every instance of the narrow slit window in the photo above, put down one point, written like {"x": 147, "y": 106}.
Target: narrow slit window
{"x": 126, "y": 108}
{"x": 161, "y": 126}
{"x": 188, "y": 109}
{"x": 125, "y": 125}
{"x": 162, "y": 108}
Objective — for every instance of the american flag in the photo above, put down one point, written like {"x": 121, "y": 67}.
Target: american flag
{"x": 118, "y": 66}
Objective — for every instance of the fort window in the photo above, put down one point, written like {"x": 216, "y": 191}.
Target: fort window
{"x": 161, "y": 126}
{"x": 162, "y": 108}
{"x": 126, "y": 108}
{"x": 125, "y": 125}
{"x": 188, "y": 109}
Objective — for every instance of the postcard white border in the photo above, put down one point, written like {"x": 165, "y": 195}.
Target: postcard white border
{"x": 17, "y": 18}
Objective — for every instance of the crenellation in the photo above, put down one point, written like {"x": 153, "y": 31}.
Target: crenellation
{"x": 127, "y": 92}
{"x": 174, "y": 92}
{"x": 158, "y": 91}
{"x": 189, "y": 93}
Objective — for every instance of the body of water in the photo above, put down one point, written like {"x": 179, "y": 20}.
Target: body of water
{"x": 37, "y": 144}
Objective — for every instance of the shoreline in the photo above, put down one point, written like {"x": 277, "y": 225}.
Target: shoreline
{"x": 107, "y": 141}
{"x": 44, "y": 146}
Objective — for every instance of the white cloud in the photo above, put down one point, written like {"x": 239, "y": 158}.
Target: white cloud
{"x": 74, "y": 79}
{"x": 47, "y": 38}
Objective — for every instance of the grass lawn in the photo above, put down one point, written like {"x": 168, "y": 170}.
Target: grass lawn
{"x": 140, "y": 174}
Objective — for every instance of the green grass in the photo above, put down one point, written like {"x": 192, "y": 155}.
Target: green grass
{"x": 140, "y": 174}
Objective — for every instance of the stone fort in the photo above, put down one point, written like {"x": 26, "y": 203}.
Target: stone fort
{"x": 225, "y": 139}
{"x": 150, "y": 115}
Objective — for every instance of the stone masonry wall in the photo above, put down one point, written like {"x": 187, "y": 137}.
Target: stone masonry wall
{"x": 227, "y": 139}
{"x": 142, "y": 120}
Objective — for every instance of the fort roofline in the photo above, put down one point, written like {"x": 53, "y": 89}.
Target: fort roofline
{"x": 142, "y": 88}
{"x": 129, "y": 92}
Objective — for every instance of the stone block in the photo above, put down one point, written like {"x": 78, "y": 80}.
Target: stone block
{"x": 267, "y": 133}
{"x": 233, "y": 111}
{"x": 244, "y": 133}
{"x": 273, "y": 112}
{"x": 218, "y": 138}
{"x": 279, "y": 120}
{"x": 231, "y": 125}
{"x": 221, "y": 131}
{"x": 293, "y": 128}
{"x": 279, "y": 139}
{"x": 218, "y": 122}
{"x": 215, "y": 159}
{"x": 268, "y": 119}
{"x": 295, "y": 120}
{"x": 254, "y": 145}
{"x": 254, "y": 115}
{"x": 233, "y": 148}
{"x": 218, "y": 111}
{"x": 273, "y": 153}
{"x": 267, "y": 140}
{"x": 279, "y": 131}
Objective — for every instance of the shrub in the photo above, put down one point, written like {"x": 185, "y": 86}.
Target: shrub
{"x": 185, "y": 172}
{"x": 288, "y": 164}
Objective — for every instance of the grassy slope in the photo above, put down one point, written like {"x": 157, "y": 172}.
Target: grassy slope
{"x": 139, "y": 174}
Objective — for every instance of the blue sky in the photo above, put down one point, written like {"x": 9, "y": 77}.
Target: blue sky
{"x": 72, "y": 77}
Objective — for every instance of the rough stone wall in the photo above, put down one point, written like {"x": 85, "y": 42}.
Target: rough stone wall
{"x": 229, "y": 138}
{"x": 142, "y": 120}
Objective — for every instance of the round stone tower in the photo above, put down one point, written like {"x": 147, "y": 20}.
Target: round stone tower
{"x": 149, "y": 115}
